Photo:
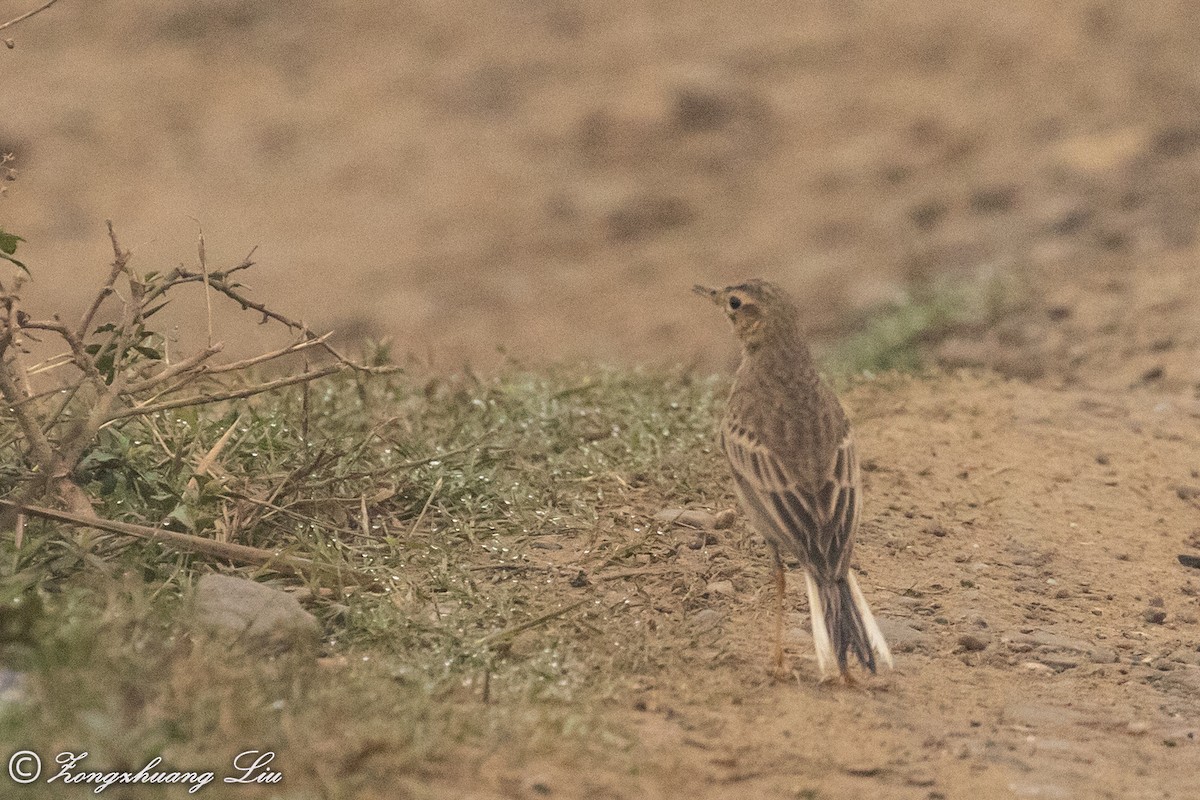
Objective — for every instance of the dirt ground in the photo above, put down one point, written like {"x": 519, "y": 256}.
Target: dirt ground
{"x": 1019, "y": 545}
{"x": 551, "y": 177}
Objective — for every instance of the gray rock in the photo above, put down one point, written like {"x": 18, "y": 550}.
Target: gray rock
{"x": 1103, "y": 655}
{"x": 258, "y": 616}
{"x": 1155, "y": 616}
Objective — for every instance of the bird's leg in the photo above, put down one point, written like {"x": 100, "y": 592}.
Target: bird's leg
{"x": 780, "y": 589}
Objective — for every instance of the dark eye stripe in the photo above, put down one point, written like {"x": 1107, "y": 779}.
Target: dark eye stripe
{"x": 735, "y": 302}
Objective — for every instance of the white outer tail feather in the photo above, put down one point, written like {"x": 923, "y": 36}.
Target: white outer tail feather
{"x": 824, "y": 645}
{"x": 874, "y": 635}
{"x": 826, "y": 658}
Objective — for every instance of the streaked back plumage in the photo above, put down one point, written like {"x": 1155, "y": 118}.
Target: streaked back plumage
{"x": 795, "y": 466}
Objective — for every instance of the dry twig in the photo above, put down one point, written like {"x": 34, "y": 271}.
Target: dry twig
{"x": 119, "y": 373}
{"x": 28, "y": 14}
{"x": 237, "y": 553}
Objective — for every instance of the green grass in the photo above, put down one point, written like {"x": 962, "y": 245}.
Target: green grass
{"x": 483, "y": 502}
{"x": 900, "y": 336}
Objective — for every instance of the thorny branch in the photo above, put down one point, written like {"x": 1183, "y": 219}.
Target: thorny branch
{"x": 237, "y": 553}
{"x": 119, "y": 374}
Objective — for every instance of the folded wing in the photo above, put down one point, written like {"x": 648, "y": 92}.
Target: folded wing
{"x": 815, "y": 522}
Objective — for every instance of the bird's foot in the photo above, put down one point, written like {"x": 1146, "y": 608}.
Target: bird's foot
{"x": 839, "y": 678}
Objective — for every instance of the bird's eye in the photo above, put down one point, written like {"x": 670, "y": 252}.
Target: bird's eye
{"x": 735, "y": 302}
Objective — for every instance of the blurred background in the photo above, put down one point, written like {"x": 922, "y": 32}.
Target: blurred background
{"x": 549, "y": 177}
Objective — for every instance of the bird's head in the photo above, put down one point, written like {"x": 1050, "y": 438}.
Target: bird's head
{"x": 757, "y": 309}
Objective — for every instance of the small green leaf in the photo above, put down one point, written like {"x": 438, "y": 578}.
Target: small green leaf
{"x": 98, "y": 458}
{"x": 104, "y": 365}
{"x": 184, "y": 515}
{"x": 8, "y": 242}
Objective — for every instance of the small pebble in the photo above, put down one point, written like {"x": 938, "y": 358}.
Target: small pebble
{"x": 724, "y": 519}
{"x": 688, "y": 518}
{"x": 972, "y": 643}
{"x": 866, "y": 770}
{"x": 721, "y": 587}
{"x": 920, "y": 779}
{"x": 1059, "y": 663}
{"x": 1155, "y": 616}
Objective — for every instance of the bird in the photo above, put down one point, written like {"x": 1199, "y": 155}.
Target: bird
{"x": 795, "y": 467}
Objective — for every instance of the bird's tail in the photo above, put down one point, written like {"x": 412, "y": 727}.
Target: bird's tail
{"x": 842, "y": 623}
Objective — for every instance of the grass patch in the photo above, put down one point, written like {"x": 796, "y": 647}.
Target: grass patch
{"x": 900, "y": 336}
{"x": 492, "y": 514}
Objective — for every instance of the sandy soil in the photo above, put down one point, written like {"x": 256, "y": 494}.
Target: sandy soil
{"x": 550, "y": 177}
{"x": 1020, "y": 547}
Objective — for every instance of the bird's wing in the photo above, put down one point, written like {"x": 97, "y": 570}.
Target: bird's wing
{"x": 818, "y": 526}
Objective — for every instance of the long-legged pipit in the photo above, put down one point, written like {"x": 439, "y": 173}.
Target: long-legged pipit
{"x": 796, "y": 472}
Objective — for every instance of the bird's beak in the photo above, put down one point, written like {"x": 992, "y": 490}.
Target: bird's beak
{"x": 712, "y": 294}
